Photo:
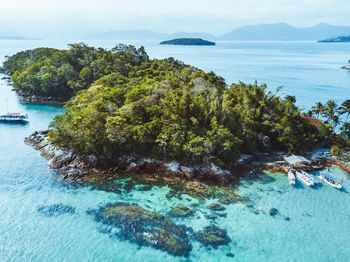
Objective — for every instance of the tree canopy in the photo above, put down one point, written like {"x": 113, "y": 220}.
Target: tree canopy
{"x": 128, "y": 104}
{"x": 62, "y": 73}
{"x": 336, "y": 128}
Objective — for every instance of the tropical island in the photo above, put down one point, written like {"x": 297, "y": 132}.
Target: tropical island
{"x": 340, "y": 39}
{"x": 188, "y": 41}
{"x": 134, "y": 122}
{"x": 129, "y": 112}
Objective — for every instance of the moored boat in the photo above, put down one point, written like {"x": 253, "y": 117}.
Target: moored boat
{"x": 291, "y": 177}
{"x": 330, "y": 181}
{"x": 13, "y": 117}
{"x": 305, "y": 178}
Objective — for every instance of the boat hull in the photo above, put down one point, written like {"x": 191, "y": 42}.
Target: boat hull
{"x": 291, "y": 178}
{"x": 306, "y": 179}
{"x": 14, "y": 121}
{"x": 336, "y": 186}
{"x": 13, "y": 118}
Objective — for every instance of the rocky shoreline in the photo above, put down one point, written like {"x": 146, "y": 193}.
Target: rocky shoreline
{"x": 30, "y": 98}
{"x": 75, "y": 168}
{"x": 36, "y": 99}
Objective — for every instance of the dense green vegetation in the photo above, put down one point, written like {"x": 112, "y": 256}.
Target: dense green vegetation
{"x": 62, "y": 73}
{"x": 162, "y": 109}
{"x": 336, "y": 127}
{"x": 187, "y": 41}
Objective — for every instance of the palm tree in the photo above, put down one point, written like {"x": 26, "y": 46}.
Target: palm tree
{"x": 336, "y": 121}
{"x": 345, "y": 130}
{"x": 345, "y": 109}
{"x": 318, "y": 109}
{"x": 330, "y": 110}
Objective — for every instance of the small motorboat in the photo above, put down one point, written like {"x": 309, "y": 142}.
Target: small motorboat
{"x": 305, "y": 178}
{"x": 13, "y": 117}
{"x": 291, "y": 177}
{"x": 330, "y": 181}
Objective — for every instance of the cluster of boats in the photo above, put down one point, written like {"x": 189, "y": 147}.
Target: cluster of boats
{"x": 308, "y": 180}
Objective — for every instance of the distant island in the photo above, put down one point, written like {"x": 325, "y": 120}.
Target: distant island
{"x": 12, "y": 38}
{"x": 340, "y": 39}
{"x": 187, "y": 41}
{"x": 15, "y": 36}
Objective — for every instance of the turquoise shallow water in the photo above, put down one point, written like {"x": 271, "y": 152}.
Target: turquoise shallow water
{"x": 312, "y": 225}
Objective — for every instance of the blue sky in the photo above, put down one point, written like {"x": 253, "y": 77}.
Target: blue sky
{"x": 68, "y": 18}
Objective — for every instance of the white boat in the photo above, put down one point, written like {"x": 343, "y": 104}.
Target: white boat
{"x": 305, "y": 178}
{"x": 13, "y": 117}
{"x": 330, "y": 181}
{"x": 291, "y": 177}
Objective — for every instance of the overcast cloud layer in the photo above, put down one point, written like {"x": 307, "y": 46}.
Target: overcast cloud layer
{"x": 69, "y": 18}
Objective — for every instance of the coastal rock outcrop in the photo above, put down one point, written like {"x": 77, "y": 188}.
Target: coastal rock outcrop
{"x": 37, "y": 99}
{"x": 73, "y": 166}
{"x": 63, "y": 160}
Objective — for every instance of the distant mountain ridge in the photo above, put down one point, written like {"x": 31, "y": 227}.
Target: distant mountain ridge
{"x": 263, "y": 32}
{"x": 285, "y": 32}
{"x": 146, "y": 35}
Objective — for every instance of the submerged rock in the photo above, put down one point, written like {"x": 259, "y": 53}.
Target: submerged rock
{"x": 252, "y": 208}
{"x": 274, "y": 212}
{"x": 55, "y": 210}
{"x": 216, "y": 207}
{"x": 145, "y": 228}
{"x": 227, "y": 200}
{"x": 213, "y": 236}
{"x": 211, "y": 216}
{"x": 181, "y": 211}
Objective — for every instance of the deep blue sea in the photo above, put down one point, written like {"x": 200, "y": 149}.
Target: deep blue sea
{"x": 312, "y": 225}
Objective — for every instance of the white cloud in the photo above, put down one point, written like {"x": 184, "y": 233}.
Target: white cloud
{"x": 58, "y": 17}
